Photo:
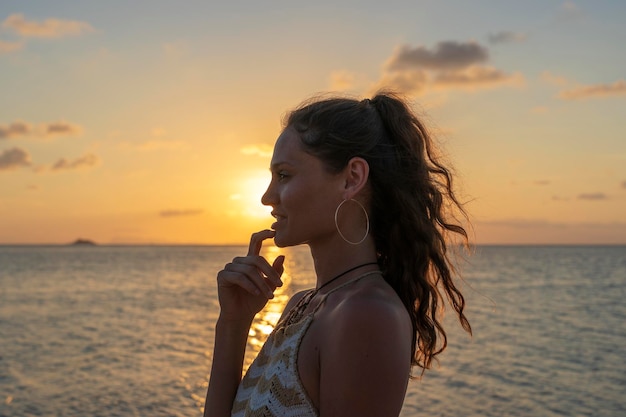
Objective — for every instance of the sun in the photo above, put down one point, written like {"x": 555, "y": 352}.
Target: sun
{"x": 248, "y": 198}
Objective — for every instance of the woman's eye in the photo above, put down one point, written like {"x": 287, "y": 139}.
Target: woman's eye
{"x": 282, "y": 176}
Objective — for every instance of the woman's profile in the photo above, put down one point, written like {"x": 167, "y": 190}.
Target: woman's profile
{"x": 360, "y": 184}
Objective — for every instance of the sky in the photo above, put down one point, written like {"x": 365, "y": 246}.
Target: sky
{"x": 153, "y": 122}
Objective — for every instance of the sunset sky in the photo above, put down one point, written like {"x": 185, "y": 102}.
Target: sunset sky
{"x": 154, "y": 121}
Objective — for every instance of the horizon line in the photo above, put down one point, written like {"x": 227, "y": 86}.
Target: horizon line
{"x": 165, "y": 244}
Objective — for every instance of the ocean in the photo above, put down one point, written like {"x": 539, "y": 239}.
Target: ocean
{"x": 128, "y": 331}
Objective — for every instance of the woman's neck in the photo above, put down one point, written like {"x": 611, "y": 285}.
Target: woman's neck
{"x": 338, "y": 256}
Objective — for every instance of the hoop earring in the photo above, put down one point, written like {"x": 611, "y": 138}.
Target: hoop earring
{"x": 367, "y": 222}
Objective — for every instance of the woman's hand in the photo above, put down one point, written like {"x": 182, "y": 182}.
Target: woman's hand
{"x": 245, "y": 284}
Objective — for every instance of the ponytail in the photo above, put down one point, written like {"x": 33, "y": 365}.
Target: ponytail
{"x": 410, "y": 200}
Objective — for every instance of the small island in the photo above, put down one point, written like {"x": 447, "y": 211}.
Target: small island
{"x": 83, "y": 242}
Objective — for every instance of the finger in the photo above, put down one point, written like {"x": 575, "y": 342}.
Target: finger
{"x": 279, "y": 267}
{"x": 259, "y": 262}
{"x": 250, "y": 273}
{"x": 228, "y": 278}
{"x": 256, "y": 241}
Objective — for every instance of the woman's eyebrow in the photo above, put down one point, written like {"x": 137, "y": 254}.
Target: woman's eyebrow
{"x": 276, "y": 165}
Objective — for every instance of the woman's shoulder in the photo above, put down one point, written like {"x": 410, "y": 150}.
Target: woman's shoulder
{"x": 364, "y": 348}
{"x": 374, "y": 305}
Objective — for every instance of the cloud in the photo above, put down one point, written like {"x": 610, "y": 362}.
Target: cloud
{"x": 570, "y": 11}
{"x": 506, "y": 37}
{"x": 559, "y": 198}
{"x": 477, "y": 76}
{"x": 593, "y": 196}
{"x": 153, "y": 145}
{"x": 180, "y": 213}
{"x": 342, "y": 80}
{"x": 49, "y": 28}
{"x": 85, "y": 161}
{"x": 448, "y": 65}
{"x": 540, "y": 231}
{"x": 542, "y": 182}
{"x": 61, "y": 129}
{"x": 540, "y": 110}
{"x": 414, "y": 81}
{"x": 156, "y": 145}
{"x": 624, "y": 184}
{"x": 14, "y": 158}
{"x": 261, "y": 149}
{"x": 46, "y": 130}
{"x": 446, "y": 55}
{"x": 6, "y": 47}
{"x": 553, "y": 79}
{"x": 618, "y": 88}
{"x": 15, "y": 130}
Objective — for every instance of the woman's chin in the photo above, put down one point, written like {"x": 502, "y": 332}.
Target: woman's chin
{"x": 282, "y": 241}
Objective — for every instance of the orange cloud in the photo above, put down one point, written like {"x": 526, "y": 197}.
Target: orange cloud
{"x": 618, "y": 88}
{"x": 61, "y": 129}
{"x": 179, "y": 213}
{"x": 477, "y": 76}
{"x": 14, "y": 158}
{"x": 262, "y": 150}
{"x": 409, "y": 82}
{"x": 342, "y": 80}
{"x": 6, "y": 47}
{"x": 593, "y": 196}
{"x": 570, "y": 11}
{"x": 49, "y": 28}
{"x": 15, "y": 129}
{"x": 86, "y": 161}
{"x": 553, "y": 79}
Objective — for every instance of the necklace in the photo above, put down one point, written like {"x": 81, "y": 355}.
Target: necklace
{"x": 297, "y": 311}
{"x": 335, "y": 278}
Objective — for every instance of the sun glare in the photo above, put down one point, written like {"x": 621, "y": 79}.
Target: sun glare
{"x": 249, "y": 198}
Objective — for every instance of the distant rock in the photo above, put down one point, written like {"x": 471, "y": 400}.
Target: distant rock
{"x": 84, "y": 242}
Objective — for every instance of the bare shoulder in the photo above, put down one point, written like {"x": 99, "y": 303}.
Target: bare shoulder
{"x": 374, "y": 306}
{"x": 369, "y": 315}
{"x": 364, "y": 351}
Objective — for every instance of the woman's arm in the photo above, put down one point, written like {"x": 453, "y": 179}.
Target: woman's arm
{"x": 244, "y": 286}
{"x": 365, "y": 361}
{"x": 228, "y": 354}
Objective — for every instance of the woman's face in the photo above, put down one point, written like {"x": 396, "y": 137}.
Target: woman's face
{"x": 302, "y": 193}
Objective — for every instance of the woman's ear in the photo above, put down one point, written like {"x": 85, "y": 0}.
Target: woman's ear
{"x": 356, "y": 174}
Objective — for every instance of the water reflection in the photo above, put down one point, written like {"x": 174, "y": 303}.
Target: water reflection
{"x": 267, "y": 318}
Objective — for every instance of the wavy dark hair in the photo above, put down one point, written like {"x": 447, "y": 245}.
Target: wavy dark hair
{"x": 413, "y": 205}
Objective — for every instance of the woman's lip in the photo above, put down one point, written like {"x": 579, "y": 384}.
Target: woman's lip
{"x": 279, "y": 219}
{"x": 277, "y": 216}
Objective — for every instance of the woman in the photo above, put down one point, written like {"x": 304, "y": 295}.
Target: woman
{"x": 358, "y": 182}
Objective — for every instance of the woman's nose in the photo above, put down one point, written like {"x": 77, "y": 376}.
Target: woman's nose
{"x": 267, "y": 198}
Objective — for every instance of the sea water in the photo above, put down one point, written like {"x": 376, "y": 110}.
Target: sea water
{"x": 128, "y": 331}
